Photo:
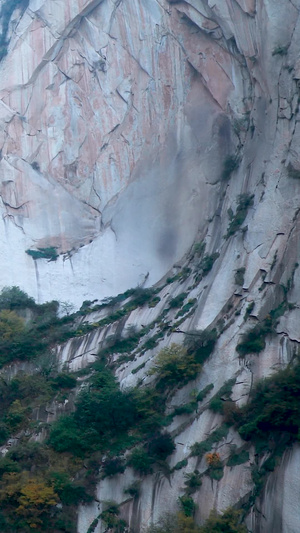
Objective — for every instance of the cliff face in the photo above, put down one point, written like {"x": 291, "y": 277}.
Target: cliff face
{"x": 128, "y": 131}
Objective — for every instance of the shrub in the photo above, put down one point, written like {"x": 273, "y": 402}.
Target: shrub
{"x": 174, "y": 366}
{"x": 203, "y": 393}
{"x": 228, "y": 522}
{"x": 14, "y": 298}
{"x": 200, "y": 344}
{"x": 293, "y": 173}
{"x": 254, "y": 340}
{"x": 65, "y": 435}
{"x": 216, "y": 472}
{"x": 238, "y": 458}
{"x": 161, "y": 446}
{"x": 239, "y": 276}
{"x": 113, "y": 466}
{"x": 68, "y": 492}
{"x": 110, "y": 514}
{"x": 178, "y": 300}
{"x": 199, "y": 448}
{"x": 186, "y": 308}
{"x": 11, "y": 326}
{"x": 213, "y": 459}
{"x": 249, "y": 310}
{"x": 133, "y": 489}
{"x": 188, "y": 505}
{"x": 44, "y": 253}
{"x": 64, "y": 381}
{"x": 280, "y": 50}
{"x": 16, "y": 416}
{"x": 218, "y": 401}
{"x": 273, "y": 408}
{"x": 154, "y": 301}
{"x": 231, "y": 163}
{"x": 244, "y": 202}
{"x": 180, "y": 464}
{"x": 192, "y": 481}
{"x": 207, "y": 263}
{"x": 174, "y": 523}
{"x": 140, "y": 461}
{"x": 141, "y": 296}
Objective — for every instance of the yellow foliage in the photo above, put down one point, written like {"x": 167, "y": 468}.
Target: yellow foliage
{"x": 213, "y": 459}
{"x": 31, "y": 498}
{"x": 186, "y": 524}
{"x": 174, "y": 365}
{"x": 10, "y": 324}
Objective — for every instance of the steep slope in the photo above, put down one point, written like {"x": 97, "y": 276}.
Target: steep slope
{"x": 130, "y": 131}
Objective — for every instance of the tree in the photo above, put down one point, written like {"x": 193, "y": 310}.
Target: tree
{"x": 13, "y": 298}
{"x": 35, "y": 501}
{"x": 11, "y": 325}
{"x": 228, "y": 522}
{"x": 174, "y": 366}
{"x": 25, "y": 500}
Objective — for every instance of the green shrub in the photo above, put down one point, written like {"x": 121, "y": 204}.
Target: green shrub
{"x": 231, "y": 163}
{"x": 65, "y": 435}
{"x": 215, "y": 472}
{"x": 254, "y": 340}
{"x": 110, "y": 517}
{"x": 188, "y": 505}
{"x": 14, "y": 298}
{"x": 150, "y": 343}
{"x": 200, "y": 344}
{"x": 238, "y": 458}
{"x": 44, "y": 253}
{"x": 136, "y": 369}
{"x": 180, "y": 464}
{"x": 161, "y": 446}
{"x": 273, "y": 409}
{"x": 216, "y": 404}
{"x": 141, "y": 296}
{"x": 204, "y": 392}
{"x": 64, "y": 381}
{"x": 185, "y": 409}
{"x": 192, "y": 482}
{"x": 249, "y": 310}
{"x": 200, "y": 448}
{"x": 186, "y": 308}
{"x": 244, "y": 202}
{"x": 7, "y": 10}
{"x": 207, "y": 263}
{"x": 178, "y": 300}
{"x": 293, "y": 172}
{"x": 133, "y": 489}
{"x": 68, "y": 492}
{"x": 16, "y": 416}
{"x": 239, "y": 276}
{"x": 280, "y": 50}
{"x": 154, "y": 301}
{"x": 140, "y": 461}
{"x": 113, "y": 466}
{"x": 228, "y": 522}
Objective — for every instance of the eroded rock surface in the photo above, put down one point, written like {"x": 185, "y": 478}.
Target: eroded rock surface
{"x": 117, "y": 121}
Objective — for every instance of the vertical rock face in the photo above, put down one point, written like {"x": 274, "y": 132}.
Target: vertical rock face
{"x": 129, "y": 129}
{"x": 116, "y": 119}
{"x": 112, "y": 139}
